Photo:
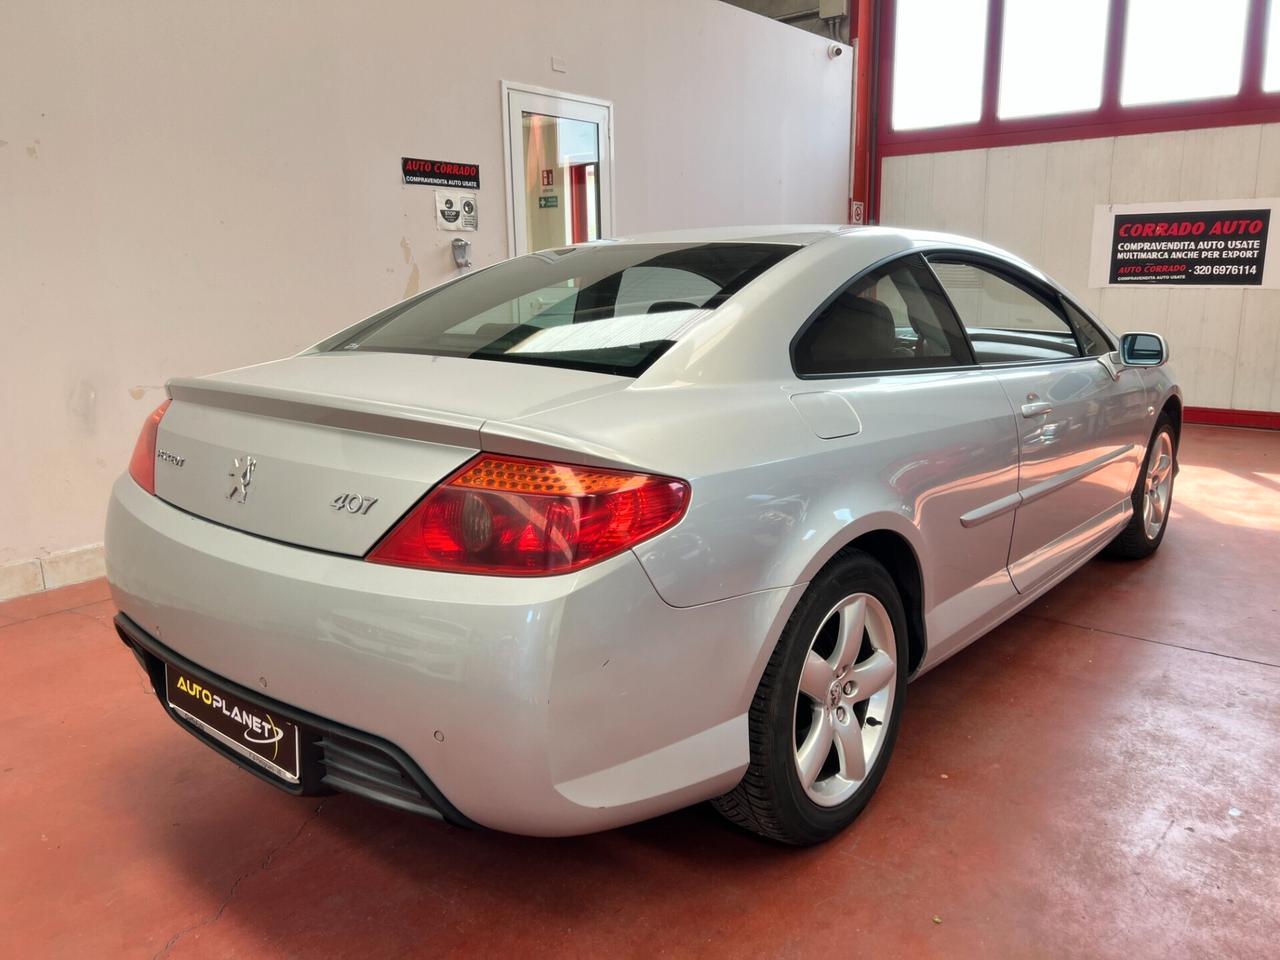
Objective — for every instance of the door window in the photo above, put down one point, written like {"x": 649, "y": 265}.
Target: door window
{"x": 562, "y": 188}
{"x": 559, "y": 156}
{"x": 895, "y": 318}
{"x": 1006, "y": 322}
{"x": 1092, "y": 339}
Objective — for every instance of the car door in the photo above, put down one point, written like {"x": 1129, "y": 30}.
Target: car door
{"x": 1080, "y": 427}
{"x": 931, "y": 431}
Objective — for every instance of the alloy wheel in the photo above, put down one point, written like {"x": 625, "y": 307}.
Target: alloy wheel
{"x": 1159, "y": 486}
{"x": 845, "y": 699}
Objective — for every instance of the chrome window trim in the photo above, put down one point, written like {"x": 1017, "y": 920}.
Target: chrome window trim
{"x": 1000, "y": 365}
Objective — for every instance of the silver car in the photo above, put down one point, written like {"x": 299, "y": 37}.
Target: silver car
{"x": 600, "y": 532}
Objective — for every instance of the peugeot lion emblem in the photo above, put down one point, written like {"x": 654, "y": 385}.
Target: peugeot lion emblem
{"x": 242, "y": 474}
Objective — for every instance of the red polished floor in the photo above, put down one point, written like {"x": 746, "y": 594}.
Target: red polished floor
{"x": 1100, "y": 777}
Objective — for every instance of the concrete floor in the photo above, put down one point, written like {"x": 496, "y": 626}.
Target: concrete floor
{"x": 1097, "y": 778}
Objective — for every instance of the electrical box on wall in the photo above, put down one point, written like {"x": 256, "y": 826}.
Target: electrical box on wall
{"x": 830, "y": 9}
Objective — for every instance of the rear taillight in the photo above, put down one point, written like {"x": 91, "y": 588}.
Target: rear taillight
{"x": 516, "y": 517}
{"x": 142, "y": 465}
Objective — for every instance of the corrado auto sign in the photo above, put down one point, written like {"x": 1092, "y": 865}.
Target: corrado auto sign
{"x": 1182, "y": 244}
{"x": 1219, "y": 247}
{"x": 440, "y": 173}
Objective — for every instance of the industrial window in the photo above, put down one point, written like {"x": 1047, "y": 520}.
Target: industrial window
{"x": 939, "y": 50}
{"x": 1178, "y": 50}
{"x": 1271, "y": 78}
{"x": 893, "y": 319}
{"x": 1006, "y": 322}
{"x": 962, "y": 74}
{"x": 1051, "y": 57}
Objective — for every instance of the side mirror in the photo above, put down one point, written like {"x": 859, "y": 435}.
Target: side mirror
{"x": 1143, "y": 350}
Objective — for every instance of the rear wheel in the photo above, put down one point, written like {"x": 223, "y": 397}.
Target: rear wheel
{"x": 825, "y": 716}
{"x": 1152, "y": 497}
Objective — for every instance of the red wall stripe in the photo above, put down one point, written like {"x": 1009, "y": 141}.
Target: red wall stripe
{"x": 1215, "y": 416}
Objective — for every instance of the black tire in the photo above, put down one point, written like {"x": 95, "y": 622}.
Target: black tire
{"x": 770, "y": 800}
{"x": 1134, "y": 542}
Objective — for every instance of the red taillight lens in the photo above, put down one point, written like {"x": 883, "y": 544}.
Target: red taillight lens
{"x": 142, "y": 465}
{"x": 515, "y": 517}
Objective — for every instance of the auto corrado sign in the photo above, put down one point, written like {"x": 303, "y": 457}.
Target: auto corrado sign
{"x": 440, "y": 173}
{"x": 1218, "y": 247}
{"x": 1182, "y": 245}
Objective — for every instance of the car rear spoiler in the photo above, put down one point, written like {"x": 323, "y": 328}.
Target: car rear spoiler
{"x": 344, "y": 413}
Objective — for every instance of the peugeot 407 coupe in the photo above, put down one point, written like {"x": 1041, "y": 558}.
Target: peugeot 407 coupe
{"x": 604, "y": 531}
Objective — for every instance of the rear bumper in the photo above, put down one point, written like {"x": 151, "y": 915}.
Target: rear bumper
{"x": 545, "y": 706}
{"x": 333, "y": 758}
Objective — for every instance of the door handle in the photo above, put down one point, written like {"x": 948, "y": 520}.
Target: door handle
{"x": 1036, "y": 409}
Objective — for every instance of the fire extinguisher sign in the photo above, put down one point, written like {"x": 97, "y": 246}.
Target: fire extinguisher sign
{"x": 1183, "y": 245}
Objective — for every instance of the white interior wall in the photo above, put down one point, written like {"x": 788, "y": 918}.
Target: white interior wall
{"x": 1038, "y": 201}
{"x": 187, "y": 187}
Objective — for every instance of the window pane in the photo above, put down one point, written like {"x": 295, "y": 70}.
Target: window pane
{"x": 1182, "y": 50}
{"x": 1005, "y": 322}
{"x": 938, "y": 52}
{"x": 662, "y": 289}
{"x": 1051, "y": 57}
{"x": 561, "y": 194}
{"x": 1094, "y": 341}
{"x": 1271, "y": 76}
{"x": 894, "y": 319}
{"x": 612, "y": 309}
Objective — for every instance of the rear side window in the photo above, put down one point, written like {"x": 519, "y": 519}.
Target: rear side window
{"x": 895, "y": 318}
{"x": 608, "y": 308}
{"x": 1007, "y": 322}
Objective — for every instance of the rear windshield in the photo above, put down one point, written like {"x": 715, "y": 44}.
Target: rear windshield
{"x": 607, "y": 308}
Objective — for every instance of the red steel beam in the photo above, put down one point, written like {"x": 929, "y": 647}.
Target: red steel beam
{"x": 862, "y": 159}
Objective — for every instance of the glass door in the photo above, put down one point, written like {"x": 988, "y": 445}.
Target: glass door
{"x": 559, "y": 168}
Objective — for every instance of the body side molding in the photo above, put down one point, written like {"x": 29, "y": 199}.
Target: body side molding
{"x": 1002, "y": 506}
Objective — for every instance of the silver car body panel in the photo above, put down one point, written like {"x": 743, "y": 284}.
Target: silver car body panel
{"x": 505, "y": 669}
{"x": 574, "y": 703}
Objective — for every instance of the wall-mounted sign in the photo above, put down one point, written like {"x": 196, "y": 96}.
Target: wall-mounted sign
{"x": 440, "y": 173}
{"x": 551, "y": 201}
{"x": 456, "y": 211}
{"x": 548, "y": 178}
{"x": 1183, "y": 244}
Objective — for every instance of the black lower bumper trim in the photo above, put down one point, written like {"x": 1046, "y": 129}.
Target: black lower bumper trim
{"x": 334, "y": 756}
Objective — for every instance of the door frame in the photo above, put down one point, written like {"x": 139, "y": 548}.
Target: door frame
{"x": 508, "y": 88}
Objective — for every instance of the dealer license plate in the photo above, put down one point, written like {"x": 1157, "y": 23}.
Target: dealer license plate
{"x": 249, "y": 730}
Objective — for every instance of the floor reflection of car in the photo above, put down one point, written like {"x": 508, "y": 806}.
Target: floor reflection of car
{"x": 606, "y": 530}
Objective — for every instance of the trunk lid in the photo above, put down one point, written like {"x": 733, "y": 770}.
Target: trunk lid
{"x": 328, "y": 451}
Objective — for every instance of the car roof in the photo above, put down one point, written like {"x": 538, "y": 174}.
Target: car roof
{"x": 794, "y": 234}
{"x": 887, "y": 239}
{"x": 804, "y": 235}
